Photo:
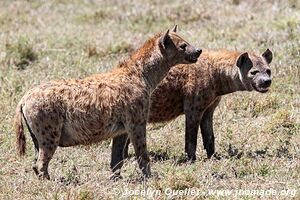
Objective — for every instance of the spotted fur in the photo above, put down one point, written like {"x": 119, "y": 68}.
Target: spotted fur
{"x": 196, "y": 90}
{"x": 80, "y": 112}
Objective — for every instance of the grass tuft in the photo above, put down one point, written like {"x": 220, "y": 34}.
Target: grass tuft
{"x": 21, "y": 53}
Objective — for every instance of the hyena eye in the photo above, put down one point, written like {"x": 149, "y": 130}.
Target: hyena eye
{"x": 254, "y": 72}
{"x": 183, "y": 46}
{"x": 268, "y": 71}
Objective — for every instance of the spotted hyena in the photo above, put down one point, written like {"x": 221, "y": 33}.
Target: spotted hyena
{"x": 196, "y": 91}
{"x": 79, "y": 112}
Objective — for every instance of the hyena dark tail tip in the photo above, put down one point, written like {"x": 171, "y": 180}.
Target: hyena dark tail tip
{"x": 21, "y": 141}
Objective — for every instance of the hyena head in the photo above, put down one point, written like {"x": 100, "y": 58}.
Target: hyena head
{"x": 254, "y": 71}
{"x": 176, "y": 50}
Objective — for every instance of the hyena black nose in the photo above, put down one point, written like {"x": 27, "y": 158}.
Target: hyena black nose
{"x": 198, "y": 52}
{"x": 267, "y": 82}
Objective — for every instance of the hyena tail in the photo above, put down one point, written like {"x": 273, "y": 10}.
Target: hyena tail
{"x": 21, "y": 141}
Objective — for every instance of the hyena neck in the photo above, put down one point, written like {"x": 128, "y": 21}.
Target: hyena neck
{"x": 154, "y": 70}
{"x": 227, "y": 78}
{"x": 151, "y": 65}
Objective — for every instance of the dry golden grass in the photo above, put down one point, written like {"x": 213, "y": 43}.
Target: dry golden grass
{"x": 257, "y": 135}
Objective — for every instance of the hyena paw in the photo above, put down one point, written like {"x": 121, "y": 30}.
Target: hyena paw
{"x": 44, "y": 176}
{"x": 116, "y": 177}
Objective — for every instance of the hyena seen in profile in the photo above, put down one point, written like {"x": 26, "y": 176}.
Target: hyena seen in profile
{"x": 196, "y": 91}
{"x": 73, "y": 112}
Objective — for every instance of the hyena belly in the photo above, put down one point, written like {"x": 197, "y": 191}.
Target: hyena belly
{"x": 89, "y": 130}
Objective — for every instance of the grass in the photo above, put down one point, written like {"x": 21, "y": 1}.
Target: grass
{"x": 257, "y": 135}
{"x": 20, "y": 54}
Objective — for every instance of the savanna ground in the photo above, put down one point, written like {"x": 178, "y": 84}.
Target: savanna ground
{"x": 257, "y": 135}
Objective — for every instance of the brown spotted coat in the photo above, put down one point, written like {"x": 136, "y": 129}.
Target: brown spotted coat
{"x": 196, "y": 90}
{"x": 74, "y": 112}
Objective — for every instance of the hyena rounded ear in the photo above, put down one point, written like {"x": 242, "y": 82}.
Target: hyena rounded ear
{"x": 244, "y": 62}
{"x": 163, "y": 41}
{"x": 174, "y": 29}
{"x": 268, "y": 55}
{"x": 242, "y": 59}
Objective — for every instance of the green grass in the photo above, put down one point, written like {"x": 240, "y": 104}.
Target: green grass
{"x": 257, "y": 135}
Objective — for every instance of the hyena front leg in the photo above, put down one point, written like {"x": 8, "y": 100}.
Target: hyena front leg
{"x": 137, "y": 136}
{"x": 119, "y": 153}
{"x": 192, "y": 122}
{"x": 207, "y": 132}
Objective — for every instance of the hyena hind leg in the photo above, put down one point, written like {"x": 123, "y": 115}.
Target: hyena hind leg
{"x": 36, "y": 147}
{"x": 35, "y": 143}
{"x": 48, "y": 143}
{"x": 45, "y": 154}
{"x": 36, "y": 151}
{"x": 118, "y": 154}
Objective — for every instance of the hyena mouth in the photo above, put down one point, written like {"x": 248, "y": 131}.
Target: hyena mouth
{"x": 191, "y": 59}
{"x": 260, "y": 89}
